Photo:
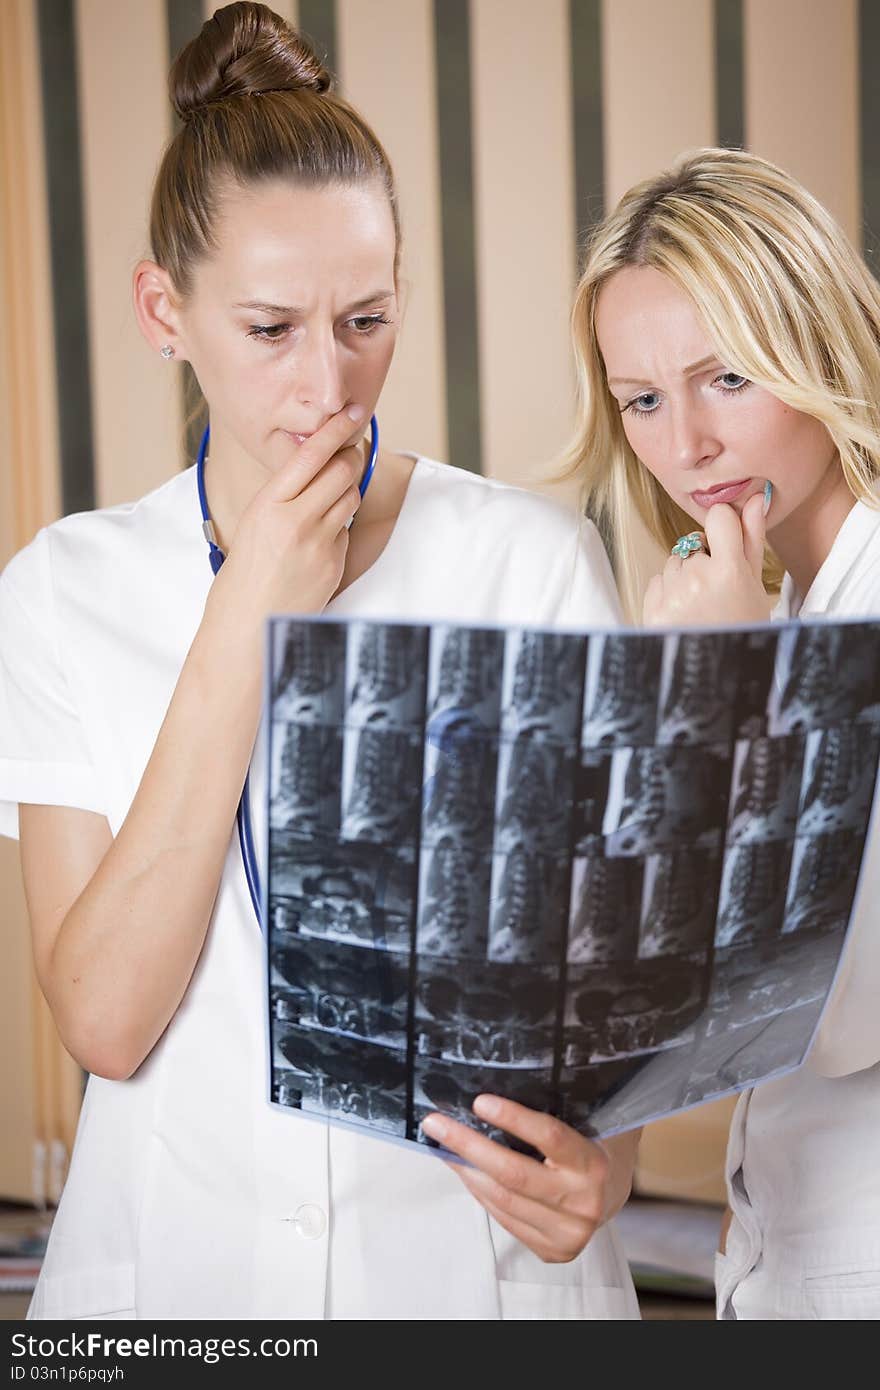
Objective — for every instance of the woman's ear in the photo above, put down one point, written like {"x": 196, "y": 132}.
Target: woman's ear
{"x": 157, "y": 309}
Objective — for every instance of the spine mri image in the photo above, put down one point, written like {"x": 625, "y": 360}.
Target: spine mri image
{"x": 608, "y": 875}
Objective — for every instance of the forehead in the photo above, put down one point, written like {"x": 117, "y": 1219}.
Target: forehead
{"x": 274, "y": 239}
{"x": 644, "y": 319}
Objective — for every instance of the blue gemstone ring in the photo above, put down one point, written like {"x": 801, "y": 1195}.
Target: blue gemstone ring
{"x": 689, "y": 544}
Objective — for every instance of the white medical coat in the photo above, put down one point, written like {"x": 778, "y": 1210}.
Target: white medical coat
{"x": 803, "y": 1162}
{"x": 188, "y": 1195}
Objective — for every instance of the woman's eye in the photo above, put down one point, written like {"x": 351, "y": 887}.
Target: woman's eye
{"x": 268, "y": 332}
{"x": 645, "y": 404}
{"x": 365, "y": 323}
{"x": 732, "y": 381}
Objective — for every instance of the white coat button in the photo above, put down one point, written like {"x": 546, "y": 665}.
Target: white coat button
{"x": 309, "y": 1221}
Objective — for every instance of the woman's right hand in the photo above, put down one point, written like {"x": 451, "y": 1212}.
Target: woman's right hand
{"x": 288, "y": 552}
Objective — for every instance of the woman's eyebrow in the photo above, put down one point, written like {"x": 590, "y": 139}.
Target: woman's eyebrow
{"x": 291, "y": 309}
{"x": 267, "y": 308}
{"x": 687, "y": 371}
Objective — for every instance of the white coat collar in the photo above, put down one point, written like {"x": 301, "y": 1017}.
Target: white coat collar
{"x": 844, "y": 557}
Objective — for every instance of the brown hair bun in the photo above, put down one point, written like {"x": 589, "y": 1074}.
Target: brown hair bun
{"x": 244, "y": 49}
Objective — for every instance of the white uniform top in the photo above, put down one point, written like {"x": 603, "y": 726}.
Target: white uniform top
{"x": 802, "y": 1164}
{"x": 188, "y": 1195}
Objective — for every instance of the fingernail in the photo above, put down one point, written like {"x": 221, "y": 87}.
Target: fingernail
{"x": 355, "y": 412}
{"x": 435, "y": 1127}
{"x": 768, "y": 495}
{"x": 487, "y": 1107}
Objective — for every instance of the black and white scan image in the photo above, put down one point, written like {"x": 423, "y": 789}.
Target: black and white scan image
{"x": 453, "y": 1090}
{"x": 621, "y": 690}
{"x": 754, "y": 653}
{"x": 465, "y": 667}
{"x": 678, "y": 902}
{"x": 337, "y": 891}
{"x": 460, "y": 784}
{"x": 625, "y": 1010}
{"x": 697, "y": 684}
{"x": 591, "y": 788}
{"x": 308, "y": 674}
{"x": 340, "y": 1078}
{"x": 529, "y": 906}
{"x": 542, "y": 688}
{"x": 606, "y": 909}
{"x": 822, "y": 882}
{"x": 306, "y": 778}
{"x": 381, "y": 785}
{"x": 662, "y": 798}
{"x": 536, "y": 789}
{"x": 825, "y": 675}
{"x": 484, "y": 1016}
{"x": 341, "y": 989}
{"x": 765, "y": 792}
{"x": 455, "y": 886}
{"x": 385, "y": 677}
{"x": 838, "y": 783}
{"x": 754, "y": 884}
{"x": 608, "y": 876}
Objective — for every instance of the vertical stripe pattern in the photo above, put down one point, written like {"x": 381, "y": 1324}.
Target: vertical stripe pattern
{"x": 729, "y": 72}
{"x": 585, "y": 29}
{"x": 317, "y": 19}
{"x": 184, "y": 19}
{"x": 512, "y": 127}
{"x": 453, "y": 50}
{"x": 58, "y": 59}
{"x": 802, "y": 96}
{"x": 413, "y": 407}
{"x": 869, "y": 128}
{"x": 525, "y": 231}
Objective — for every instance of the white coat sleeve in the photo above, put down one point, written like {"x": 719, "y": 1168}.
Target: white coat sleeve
{"x": 44, "y": 758}
{"x": 848, "y": 1039}
{"x": 587, "y": 595}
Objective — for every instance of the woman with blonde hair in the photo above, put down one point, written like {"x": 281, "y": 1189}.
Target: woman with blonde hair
{"x": 728, "y": 346}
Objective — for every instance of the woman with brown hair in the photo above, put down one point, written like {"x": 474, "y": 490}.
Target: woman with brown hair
{"x": 129, "y": 705}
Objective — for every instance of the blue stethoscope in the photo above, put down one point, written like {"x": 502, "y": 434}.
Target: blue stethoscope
{"x": 216, "y": 558}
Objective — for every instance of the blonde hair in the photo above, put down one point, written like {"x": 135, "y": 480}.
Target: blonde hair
{"x": 787, "y": 301}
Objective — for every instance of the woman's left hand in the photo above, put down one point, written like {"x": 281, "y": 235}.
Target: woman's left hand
{"x": 722, "y": 587}
{"x": 553, "y": 1207}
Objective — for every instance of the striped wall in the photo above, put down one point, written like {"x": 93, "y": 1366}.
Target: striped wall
{"x": 512, "y": 124}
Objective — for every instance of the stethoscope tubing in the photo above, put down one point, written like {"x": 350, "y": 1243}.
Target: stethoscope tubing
{"x": 216, "y": 558}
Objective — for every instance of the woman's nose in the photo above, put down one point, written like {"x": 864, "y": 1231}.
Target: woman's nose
{"x": 693, "y": 440}
{"x": 319, "y": 382}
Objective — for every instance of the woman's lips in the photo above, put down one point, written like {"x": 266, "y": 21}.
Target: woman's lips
{"x": 724, "y": 492}
{"x": 297, "y": 438}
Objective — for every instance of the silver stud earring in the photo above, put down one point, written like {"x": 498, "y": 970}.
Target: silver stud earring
{"x": 167, "y": 352}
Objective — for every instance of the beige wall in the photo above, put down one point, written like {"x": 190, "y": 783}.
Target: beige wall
{"x": 404, "y": 114}
{"x": 123, "y": 59}
{"x": 39, "y": 1085}
{"x": 525, "y": 230}
{"x": 658, "y": 72}
{"x": 802, "y": 96}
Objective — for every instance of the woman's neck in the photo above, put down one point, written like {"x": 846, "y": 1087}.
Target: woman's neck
{"x": 804, "y": 539}
{"x": 232, "y": 481}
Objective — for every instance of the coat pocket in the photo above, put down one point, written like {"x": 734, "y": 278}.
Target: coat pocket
{"x": 98, "y": 1293}
{"x": 591, "y": 1302}
{"x": 843, "y": 1294}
